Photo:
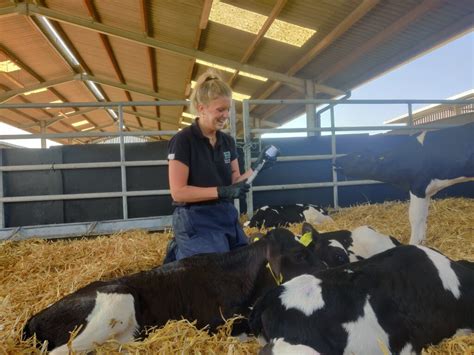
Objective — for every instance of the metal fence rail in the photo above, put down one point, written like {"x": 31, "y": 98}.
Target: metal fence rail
{"x": 164, "y": 221}
{"x": 333, "y": 129}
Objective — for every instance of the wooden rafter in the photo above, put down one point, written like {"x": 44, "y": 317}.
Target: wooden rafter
{"x": 203, "y": 21}
{"x": 151, "y": 117}
{"x": 32, "y": 10}
{"x": 36, "y": 121}
{"x": 110, "y": 52}
{"x": 42, "y": 85}
{"x": 151, "y": 54}
{"x": 83, "y": 67}
{"x": 359, "y": 12}
{"x": 280, "y": 4}
{"x": 383, "y": 36}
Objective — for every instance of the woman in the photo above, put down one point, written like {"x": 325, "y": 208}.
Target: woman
{"x": 204, "y": 176}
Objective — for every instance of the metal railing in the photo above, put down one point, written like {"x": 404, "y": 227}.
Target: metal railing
{"x": 333, "y": 129}
{"x": 165, "y": 221}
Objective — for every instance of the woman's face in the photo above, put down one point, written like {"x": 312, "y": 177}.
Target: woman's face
{"x": 214, "y": 115}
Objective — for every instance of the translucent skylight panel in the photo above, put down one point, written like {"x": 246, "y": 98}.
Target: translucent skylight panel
{"x": 252, "y": 22}
{"x": 80, "y": 123}
{"x": 35, "y": 91}
{"x": 7, "y": 66}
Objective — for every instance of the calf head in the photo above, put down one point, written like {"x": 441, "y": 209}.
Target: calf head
{"x": 287, "y": 257}
{"x": 332, "y": 248}
{"x": 396, "y": 166}
{"x": 343, "y": 246}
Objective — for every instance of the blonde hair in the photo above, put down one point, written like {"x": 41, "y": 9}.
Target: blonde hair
{"x": 209, "y": 86}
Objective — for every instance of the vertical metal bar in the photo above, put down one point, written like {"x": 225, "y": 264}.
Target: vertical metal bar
{"x": 43, "y": 131}
{"x": 2, "y": 210}
{"x": 335, "y": 192}
{"x": 123, "y": 172}
{"x": 247, "y": 152}
{"x": 233, "y": 133}
{"x": 233, "y": 120}
{"x": 410, "y": 116}
{"x": 310, "y": 108}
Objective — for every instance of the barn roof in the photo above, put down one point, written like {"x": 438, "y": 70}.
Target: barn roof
{"x": 139, "y": 50}
{"x": 441, "y": 113}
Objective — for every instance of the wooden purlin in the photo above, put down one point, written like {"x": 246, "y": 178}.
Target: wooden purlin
{"x": 110, "y": 52}
{"x": 83, "y": 65}
{"x": 153, "y": 42}
{"x": 359, "y": 12}
{"x": 151, "y": 55}
{"x": 259, "y": 36}
{"x": 386, "y": 34}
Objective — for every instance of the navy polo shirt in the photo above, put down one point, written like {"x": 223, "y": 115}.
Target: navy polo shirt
{"x": 208, "y": 165}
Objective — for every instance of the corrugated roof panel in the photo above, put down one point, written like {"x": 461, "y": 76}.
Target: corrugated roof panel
{"x": 175, "y": 21}
{"x": 121, "y": 14}
{"x": 91, "y": 49}
{"x": 19, "y": 35}
{"x": 68, "y": 6}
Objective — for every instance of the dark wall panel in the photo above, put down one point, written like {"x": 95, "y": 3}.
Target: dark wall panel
{"x": 156, "y": 178}
{"x": 26, "y": 183}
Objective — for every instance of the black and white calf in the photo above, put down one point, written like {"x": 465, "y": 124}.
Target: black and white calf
{"x": 343, "y": 246}
{"x": 426, "y": 164}
{"x": 399, "y": 301}
{"x": 203, "y": 287}
{"x": 283, "y": 215}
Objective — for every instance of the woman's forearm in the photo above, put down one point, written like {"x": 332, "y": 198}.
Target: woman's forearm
{"x": 189, "y": 194}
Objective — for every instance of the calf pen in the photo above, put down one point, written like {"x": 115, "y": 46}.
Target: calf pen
{"x": 36, "y": 273}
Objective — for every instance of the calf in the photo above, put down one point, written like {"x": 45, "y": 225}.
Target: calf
{"x": 343, "y": 246}
{"x": 400, "y": 301}
{"x": 206, "y": 288}
{"x": 283, "y": 215}
{"x": 424, "y": 165}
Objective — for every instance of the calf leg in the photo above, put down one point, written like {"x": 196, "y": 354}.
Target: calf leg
{"x": 418, "y": 215}
{"x": 112, "y": 317}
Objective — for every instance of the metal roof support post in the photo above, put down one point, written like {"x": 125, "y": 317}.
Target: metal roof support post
{"x": 233, "y": 133}
{"x": 123, "y": 172}
{"x": 335, "y": 192}
{"x": 410, "y": 116}
{"x": 2, "y": 210}
{"x": 43, "y": 131}
{"x": 247, "y": 153}
{"x": 311, "y": 108}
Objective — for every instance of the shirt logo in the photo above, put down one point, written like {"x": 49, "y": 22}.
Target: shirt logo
{"x": 227, "y": 157}
{"x": 170, "y": 156}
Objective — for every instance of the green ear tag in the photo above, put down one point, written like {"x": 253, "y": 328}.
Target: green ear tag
{"x": 306, "y": 239}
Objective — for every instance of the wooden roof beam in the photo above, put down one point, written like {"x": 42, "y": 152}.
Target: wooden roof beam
{"x": 83, "y": 67}
{"x": 110, "y": 52}
{"x": 383, "y": 36}
{"x": 118, "y": 85}
{"x": 151, "y": 53}
{"x": 203, "y": 21}
{"x": 30, "y": 71}
{"x": 32, "y": 9}
{"x": 258, "y": 38}
{"x": 151, "y": 117}
{"x": 359, "y": 12}
{"x": 8, "y": 11}
{"x": 42, "y": 85}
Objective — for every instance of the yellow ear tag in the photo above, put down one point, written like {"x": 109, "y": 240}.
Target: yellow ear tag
{"x": 306, "y": 239}
{"x": 256, "y": 239}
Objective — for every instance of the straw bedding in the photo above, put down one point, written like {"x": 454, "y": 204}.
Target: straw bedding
{"x": 36, "y": 273}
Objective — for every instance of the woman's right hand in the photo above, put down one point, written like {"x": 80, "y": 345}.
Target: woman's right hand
{"x": 236, "y": 190}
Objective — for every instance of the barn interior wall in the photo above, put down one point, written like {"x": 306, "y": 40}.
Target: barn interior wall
{"x": 156, "y": 178}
